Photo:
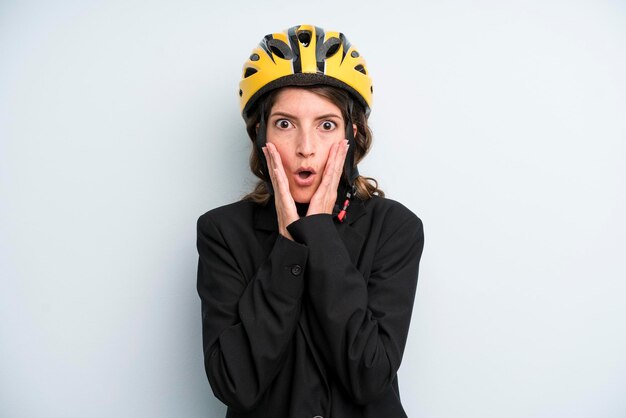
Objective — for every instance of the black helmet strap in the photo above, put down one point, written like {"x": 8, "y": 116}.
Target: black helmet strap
{"x": 351, "y": 171}
{"x": 261, "y": 138}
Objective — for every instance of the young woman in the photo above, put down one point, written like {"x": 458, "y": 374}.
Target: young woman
{"x": 307, "y": 284}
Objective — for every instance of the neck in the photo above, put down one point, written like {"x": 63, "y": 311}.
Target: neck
{"x": 302, "y": 208}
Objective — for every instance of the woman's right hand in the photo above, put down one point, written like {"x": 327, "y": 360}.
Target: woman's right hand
{"x": 285, "y": 205}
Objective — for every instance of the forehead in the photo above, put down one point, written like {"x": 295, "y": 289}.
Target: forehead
{"x": 301, "y": 102}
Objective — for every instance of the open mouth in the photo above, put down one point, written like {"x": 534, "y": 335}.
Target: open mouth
{"x": 304, "y": 173}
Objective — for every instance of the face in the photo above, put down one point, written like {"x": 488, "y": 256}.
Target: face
{"x": 303, "y": 126}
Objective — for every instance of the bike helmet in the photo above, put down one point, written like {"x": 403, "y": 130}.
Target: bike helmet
{"x": 304, "y": 55}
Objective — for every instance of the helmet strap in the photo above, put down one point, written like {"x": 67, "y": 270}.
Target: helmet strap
{"x": 350, "y": 170}
{"x": 261, "y": 139}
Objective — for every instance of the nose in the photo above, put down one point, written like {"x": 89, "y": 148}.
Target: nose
{"x": 305, "y": 144}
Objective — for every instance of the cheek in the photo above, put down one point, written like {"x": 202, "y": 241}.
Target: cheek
{"x": 283, "y": 152}
{"x": 329, "y": 145}
{"x": 323, "y": 157}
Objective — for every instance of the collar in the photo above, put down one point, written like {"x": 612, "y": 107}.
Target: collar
{"x": 265, "y": 215}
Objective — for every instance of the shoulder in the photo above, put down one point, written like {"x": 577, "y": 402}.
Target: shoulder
{"x": 392, "y": 213}
{"x": 390, "y": 224}
{"x": 228, "y": 216}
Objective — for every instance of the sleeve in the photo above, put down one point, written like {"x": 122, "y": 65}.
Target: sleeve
{"x": 246, "y": 326}
{"x": 362, "y": 325}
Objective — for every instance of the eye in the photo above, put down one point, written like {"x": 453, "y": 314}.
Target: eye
{"x": 328, "y": 125}
{"x": 283, "y": 124}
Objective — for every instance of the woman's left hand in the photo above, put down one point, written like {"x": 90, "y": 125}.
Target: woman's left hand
{"x": 323, "y": 201}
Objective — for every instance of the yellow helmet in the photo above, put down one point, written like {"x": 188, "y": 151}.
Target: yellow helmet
{"x": 304, "y": 55}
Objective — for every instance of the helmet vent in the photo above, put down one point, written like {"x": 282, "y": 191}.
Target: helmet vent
{"x": 329, "y": 48}
{"x": 332, "y": 50}
{"x": 360, "y": 69}
{"x": 249, "y": 72}
{"x": 280, "y": 49}
{"x": 304, "y": 36}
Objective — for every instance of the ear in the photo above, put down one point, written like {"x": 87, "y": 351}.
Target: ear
{"x": 354, "y": 130}
{"x": 257, "y": 127}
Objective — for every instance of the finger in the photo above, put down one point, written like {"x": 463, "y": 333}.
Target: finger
{"x": 324, "y": 198}
{"x": 340, "y": 160}
{"x": 286, "y": 211}
{"x": 277, "y": 164}
{"x": 268, "y": 150}
{"x": 336, "y": 166}
{"x": 278, "y": 172}
{"x": 268, "y": 159}
{"x": 275, "y": 156}
{"x": 327, "y": 178}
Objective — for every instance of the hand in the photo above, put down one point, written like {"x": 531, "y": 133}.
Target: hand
{"x": 285, "y": 206}
{"x": 323, "y": 201}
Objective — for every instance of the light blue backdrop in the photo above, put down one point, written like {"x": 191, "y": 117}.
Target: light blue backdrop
{"x": 501, "y": 123}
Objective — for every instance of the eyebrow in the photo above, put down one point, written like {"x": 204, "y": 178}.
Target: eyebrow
{"x": 288, "y": 115}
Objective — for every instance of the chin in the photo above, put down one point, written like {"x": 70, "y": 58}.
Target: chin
{"x": 304, "y": 200}
{"x": 302, "y": 197}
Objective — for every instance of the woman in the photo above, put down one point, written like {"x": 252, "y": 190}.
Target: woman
{"x": 307, "y": 284}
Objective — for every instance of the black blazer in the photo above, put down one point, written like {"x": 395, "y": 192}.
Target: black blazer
{"x": 311, "y": 328}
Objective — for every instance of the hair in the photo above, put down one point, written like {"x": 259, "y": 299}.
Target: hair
{"x": 366, "y": 187}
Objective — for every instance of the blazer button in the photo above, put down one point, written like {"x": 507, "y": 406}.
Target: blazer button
{"x": 318, "y": 416}
{"x": 296, "y": 270}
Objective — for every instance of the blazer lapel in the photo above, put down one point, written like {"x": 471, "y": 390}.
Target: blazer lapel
{"x": 352, "y": 239}
{"x": 266, "y": 224}
{"x": 265, "y": 217}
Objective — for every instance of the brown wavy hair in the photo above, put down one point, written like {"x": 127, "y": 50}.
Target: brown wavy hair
{"x": 366, "y": 187}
